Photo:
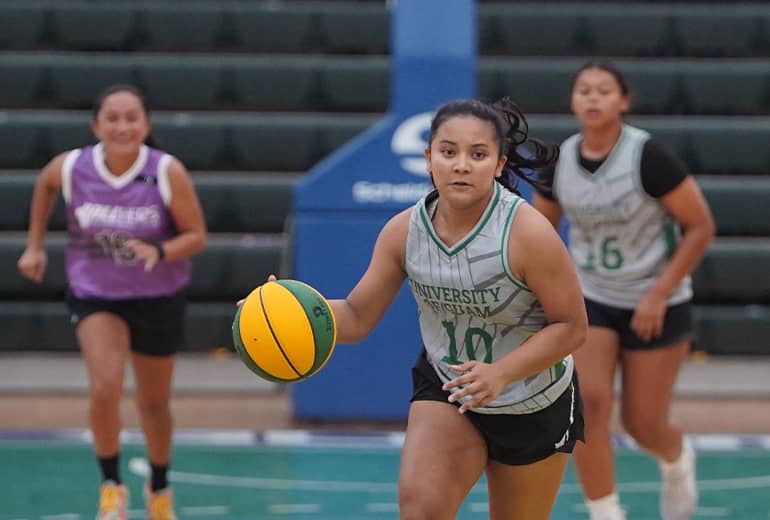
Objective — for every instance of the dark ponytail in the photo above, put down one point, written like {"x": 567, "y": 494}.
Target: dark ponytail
{"x": 527, "y": 156}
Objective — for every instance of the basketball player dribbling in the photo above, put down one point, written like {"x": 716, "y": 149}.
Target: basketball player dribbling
{"x": 500, "y": 311}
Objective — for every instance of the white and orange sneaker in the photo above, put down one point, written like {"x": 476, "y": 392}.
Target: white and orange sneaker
{"x": 113, "y": 501}
{"x": 679, "y": 492}
{"x": 160, "y": 504}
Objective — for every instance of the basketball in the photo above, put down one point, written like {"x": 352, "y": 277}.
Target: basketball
{"x": 284, "y": 331}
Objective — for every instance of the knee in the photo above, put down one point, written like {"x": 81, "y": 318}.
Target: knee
{"x": 597, "y": 408}
{"x": 104, "y": 394}
{"x": 643, "y": 429}
{"x": 153, "y": 408}
{"x": 415, "y": 503}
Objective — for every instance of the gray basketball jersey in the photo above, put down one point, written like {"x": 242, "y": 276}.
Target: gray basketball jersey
{"x": 620, "y": 238}
{"x": 471, "y": 306}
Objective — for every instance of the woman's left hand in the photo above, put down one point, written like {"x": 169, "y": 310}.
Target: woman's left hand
{"x": 482, "y": 382}
{"x": 650, "y": 312}
{"x": 144, "y": 252}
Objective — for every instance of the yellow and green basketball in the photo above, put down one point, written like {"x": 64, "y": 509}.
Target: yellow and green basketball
{"x": 284, "y": 331}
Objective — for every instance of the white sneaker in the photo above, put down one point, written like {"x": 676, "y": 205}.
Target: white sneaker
{"x": 679, "y": 492}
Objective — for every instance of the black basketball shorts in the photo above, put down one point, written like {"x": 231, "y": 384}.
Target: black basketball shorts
{"x": 156, "y": 324}
{"x": 514, "y": 439}
{"x": 677, "y": 325}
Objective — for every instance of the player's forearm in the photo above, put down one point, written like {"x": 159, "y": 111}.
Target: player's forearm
{"x": 686, "y": 258}
{"x": 543, "y": 350}
{"x": 352, "y": 327}
{"x": 43, "y": 199}
{"x": 184, "y": 245}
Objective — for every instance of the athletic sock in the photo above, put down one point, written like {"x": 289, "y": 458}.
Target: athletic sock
{"x": 678, "y": 466}
{"x": 109, "y": 466}
{"x": 159, "y": 477}
{"x": 606, "y": 508}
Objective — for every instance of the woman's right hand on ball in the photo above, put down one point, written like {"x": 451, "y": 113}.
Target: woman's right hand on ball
{"x": 270, "y": 278}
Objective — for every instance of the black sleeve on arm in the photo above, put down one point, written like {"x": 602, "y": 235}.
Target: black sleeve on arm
{"x": 661, "y": 169}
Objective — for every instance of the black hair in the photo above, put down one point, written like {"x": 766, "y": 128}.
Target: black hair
{"x": 526, "y": 155}
{"x": 606, "y": 66}
{"x": 131, "y": 89}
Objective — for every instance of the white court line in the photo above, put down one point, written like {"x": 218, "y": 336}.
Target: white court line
{"x": 381, "y": 507}
{"x": 205, "y": 510}
{"x": 62, "y": 516}
{"x": 310, "y": 438}
{"x": 712, "y": 511}
{"x": 140, "y": 466}
{"x": 291, "y": 509}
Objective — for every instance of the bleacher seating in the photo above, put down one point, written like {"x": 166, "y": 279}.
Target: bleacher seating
{"x": 251, "y": 94}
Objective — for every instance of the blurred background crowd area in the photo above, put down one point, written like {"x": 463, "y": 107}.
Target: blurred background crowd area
{"x": 251, "y": 94}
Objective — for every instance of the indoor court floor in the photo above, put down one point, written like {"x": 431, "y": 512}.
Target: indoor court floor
{"x": 323, "y": 475}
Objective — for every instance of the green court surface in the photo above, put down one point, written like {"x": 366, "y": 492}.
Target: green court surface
{"x": 296, "y": 475}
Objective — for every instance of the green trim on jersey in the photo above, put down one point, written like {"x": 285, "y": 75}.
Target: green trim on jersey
{"x": 506, "y": 240}
{"x": 670, "y": 239}
{"x": 473, "y": 233}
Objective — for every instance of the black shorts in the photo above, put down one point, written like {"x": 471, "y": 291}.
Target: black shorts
{"x": 514, "y": 439}
{"x": 156, "y": 324}
{"x": 677, "y": 325}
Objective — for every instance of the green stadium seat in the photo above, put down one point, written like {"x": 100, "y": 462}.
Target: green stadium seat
{"x": 719, "y": 142}
{"x": 199, "y": 142}
{"x": 21, "y": 25}
{"x": 537, "y": 86}
{"x": 731, "y": 272}
{"x": 246, "y": 203}
{"x": 357, "y": 29}
{"x": 293, "y": 142}
{"x": 15, "y": 196}
{"x": 655, "y": 87}
{"x": 732, "y": 330}
{"x": 275, "y": 28}
{"x": 233, "y": 265}
{"x": 21, "y": 83}
{"x": 728, "y": 31}
{"x": 164, "y": 26}
{"x": 39, "y": 326}
{"x": 351, "y": 85}
{"x": 727, "y": 87}
{"x": 256, "y": 141}
{"x": 91, "y": 26}
{"x": 177, "y": 82}
{"x": 232, "y": 203}
{"x": 635, "y": 30}
{"x": 22, "y": 144}
{"x": 275, "y": 84}
{"x": 76, "y": 80}
{"x": 530, "y": 30}
{"x": 34, "y": 325}
{"x": 739, "y": 204}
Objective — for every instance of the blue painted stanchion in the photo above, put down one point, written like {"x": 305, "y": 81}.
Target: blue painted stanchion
{"x": 343, "y": 202}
